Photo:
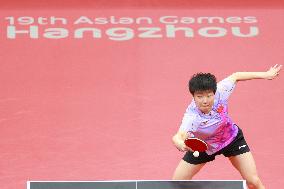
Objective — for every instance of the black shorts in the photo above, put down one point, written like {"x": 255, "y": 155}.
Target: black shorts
{"x": 236, "y": 147}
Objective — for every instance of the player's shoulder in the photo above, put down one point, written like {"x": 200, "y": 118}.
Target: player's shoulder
{"x": 225, "y": 85}
{"x": 227, "y": 80}
{"x": 192, "y": 108}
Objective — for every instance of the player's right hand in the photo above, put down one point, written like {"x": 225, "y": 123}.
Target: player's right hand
{"x": 182, "y": 147}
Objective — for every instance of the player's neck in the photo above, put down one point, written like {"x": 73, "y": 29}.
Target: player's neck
{"x": 206, "y": 113}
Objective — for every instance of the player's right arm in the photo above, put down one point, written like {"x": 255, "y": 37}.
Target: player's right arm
{"x": 185, "y": 129}
{"x": 178, "y": 140}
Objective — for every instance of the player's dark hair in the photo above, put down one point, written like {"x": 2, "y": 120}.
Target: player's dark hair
{"x": 202, "y": 82}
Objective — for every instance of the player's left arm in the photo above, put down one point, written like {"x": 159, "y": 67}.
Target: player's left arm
{"x": 269, "y": 74}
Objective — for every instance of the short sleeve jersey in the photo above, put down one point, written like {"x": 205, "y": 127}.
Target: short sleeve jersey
{"x": 216, "y": 128}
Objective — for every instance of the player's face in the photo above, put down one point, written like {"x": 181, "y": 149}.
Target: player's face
{"x": 204, "y": 100}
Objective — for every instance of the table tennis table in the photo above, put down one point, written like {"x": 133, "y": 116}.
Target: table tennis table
{"x": 139, "y": 184}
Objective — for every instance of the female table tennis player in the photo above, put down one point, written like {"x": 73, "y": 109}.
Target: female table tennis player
{"x": 207, "y": 118}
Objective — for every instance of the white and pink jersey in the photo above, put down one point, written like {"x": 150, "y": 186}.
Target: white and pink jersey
{"x": 215, "y": 128}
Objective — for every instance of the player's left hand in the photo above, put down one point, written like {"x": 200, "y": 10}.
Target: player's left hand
{"x": 273, "y": 72}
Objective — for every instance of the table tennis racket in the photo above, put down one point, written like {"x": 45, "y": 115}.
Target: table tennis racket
{"x": 197, "y": 145}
